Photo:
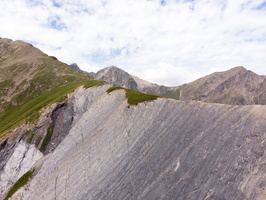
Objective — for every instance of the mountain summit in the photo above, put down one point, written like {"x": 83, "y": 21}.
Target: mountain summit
{"x": 237, "y": 86}
{"x": 117, "y": 77}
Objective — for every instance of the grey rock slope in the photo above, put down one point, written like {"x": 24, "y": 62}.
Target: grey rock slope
{"x": 164, "y": 149}
{"x": 117, "y": 77}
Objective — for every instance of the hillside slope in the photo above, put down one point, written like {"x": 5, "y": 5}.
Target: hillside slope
{"x": 164, "y": 149}
{"x": 26, "y": 72}
{"x": 237, "y": 86}
{"x": 30, "y": 80}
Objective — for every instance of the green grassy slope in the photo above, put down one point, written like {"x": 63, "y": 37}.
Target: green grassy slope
{"x": 29, "y": 111}
{"x": 31, "y": 80}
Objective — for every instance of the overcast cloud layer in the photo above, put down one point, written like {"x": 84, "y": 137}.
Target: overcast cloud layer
{"x": 166, "y": 42}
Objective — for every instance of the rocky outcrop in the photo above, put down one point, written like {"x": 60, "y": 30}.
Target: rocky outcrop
{"x": 164, "y": 149}
{"x": 119, "y": 77}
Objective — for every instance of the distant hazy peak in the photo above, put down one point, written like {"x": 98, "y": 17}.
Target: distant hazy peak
{"x": 74, "y": 66}
{"x": 142, "y": 83}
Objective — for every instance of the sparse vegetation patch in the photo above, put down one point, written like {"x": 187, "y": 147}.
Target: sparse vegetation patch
{"x": 47, "y": 137}
{"x": 38, "y": 140}
{"x": 134, "y": 97}
{"x": 111, "y": 89}
{"x": 20, "y": 183}
{"x": 30, "y": 135}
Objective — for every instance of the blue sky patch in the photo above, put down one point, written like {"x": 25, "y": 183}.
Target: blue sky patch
{"x": 56, "y": 4}
{"x": 33, "y": 3}
{"x": 100, "y": 57}
{"x": 163, "y": 2}
{"x": 55, "y": 23}
{"x": 261, "y": 6}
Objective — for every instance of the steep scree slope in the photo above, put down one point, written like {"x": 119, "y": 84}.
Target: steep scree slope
{"x": 164, "y": 149}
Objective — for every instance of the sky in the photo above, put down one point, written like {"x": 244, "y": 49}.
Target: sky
{"x": 168, "y": 42}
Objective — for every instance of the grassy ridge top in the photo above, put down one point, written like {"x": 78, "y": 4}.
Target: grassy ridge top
{"x": 29, "y": 111}
{"x": 134, "y": 97}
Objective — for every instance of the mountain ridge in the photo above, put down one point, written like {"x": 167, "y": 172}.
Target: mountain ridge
{"x": 237, "y": 86}
{"x": 66, "y": 136}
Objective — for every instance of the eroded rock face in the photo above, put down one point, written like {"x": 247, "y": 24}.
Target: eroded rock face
{"x": 22, "y": 159}
{"x": 164, "y": 149}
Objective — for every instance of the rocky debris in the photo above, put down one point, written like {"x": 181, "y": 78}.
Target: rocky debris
{"x": 164, "y": 149}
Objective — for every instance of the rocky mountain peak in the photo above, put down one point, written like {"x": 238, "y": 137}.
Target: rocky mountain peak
{"x": 74, "y": 66}
{"x": 117, "y": 77}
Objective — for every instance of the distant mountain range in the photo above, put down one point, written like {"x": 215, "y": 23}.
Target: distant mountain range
{"x": 65, "y": 135}
{"x": 237, "y": 86}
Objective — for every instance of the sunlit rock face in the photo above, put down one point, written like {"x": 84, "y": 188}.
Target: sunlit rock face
{"x": 163, "y": 149}
{"x": 22, "y": 159}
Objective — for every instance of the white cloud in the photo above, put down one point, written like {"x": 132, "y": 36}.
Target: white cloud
{"x": 167, "y": 44}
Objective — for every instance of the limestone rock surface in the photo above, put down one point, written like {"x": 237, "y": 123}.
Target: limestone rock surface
{"x": 163, "y": 149}
{"x": 21, "y": 160}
